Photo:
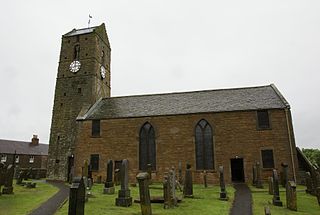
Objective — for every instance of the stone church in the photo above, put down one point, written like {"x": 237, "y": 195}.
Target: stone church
{"x": 230, "y": 127}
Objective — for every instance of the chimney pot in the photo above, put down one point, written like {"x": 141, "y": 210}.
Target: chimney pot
{"x": 35, "y": 140}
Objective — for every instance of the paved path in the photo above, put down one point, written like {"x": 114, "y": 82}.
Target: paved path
{"x": 52, "y": 204}
{"x": 242, "y": 203}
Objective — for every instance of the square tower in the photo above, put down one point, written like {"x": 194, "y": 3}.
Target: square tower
{"x": 83, "y": 78}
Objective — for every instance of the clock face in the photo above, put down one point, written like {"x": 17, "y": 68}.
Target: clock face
{"x": 75, "y": 66}
{"x": 103, "y": 72}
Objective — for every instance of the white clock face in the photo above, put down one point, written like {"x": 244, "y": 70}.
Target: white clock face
{"x": 75, "y": 66}
{"x": 103, "y": 72}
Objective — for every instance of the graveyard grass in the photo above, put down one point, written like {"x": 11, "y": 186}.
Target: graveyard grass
{"x": 205, "y": 202}
{"x": 307, "y": 204}
{"x": 24, "y": 199}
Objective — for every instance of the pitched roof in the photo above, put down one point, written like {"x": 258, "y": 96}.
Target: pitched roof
{"x": 223, "y": 100}
{"x": 79, "y": 31}
{"x": 21, "y": 147}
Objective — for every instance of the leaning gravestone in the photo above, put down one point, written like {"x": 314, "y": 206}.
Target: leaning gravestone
{"x": 8, "y": 180}
{"x": 270, "y": 185}
{"x": 276, "y": 196}
{"x": 291, "y": 195}
{"x": 309, "y": 183}
{"x": 188, "y": 186}
{"x": 145, "y": 203}
{"x": 284, "y": 177}
{"x": 77, "y": 197}
{"x": 258, "y": 174}
{"x": 223, "y": 192}
{"x": 172, "y": 181}
{"x": 254, "y": 175}
{"x": 166, "y": 192}
{"x": 109, "y": 186}
{"x": 124, "y": 199}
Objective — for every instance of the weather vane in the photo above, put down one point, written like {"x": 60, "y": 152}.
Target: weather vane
{"x": 90, "y": 17}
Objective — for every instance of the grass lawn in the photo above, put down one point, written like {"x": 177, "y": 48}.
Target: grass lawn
{"x": 307, "y": 204}
{"x": 205, "y": 201}
{"x": 25, "y": 200}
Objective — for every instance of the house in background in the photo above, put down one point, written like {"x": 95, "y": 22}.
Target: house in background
{"x": 25, "y": 154}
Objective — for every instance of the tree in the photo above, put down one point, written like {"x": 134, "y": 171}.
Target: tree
{"x": 313, "y": 156}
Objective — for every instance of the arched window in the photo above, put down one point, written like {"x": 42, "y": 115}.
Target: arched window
{"x": 204, "y": 146}
{"x": 147, "y": 147}
{"x": 76, "y": 52}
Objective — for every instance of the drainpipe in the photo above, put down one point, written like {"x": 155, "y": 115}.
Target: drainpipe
{"x": 290, "y": 143}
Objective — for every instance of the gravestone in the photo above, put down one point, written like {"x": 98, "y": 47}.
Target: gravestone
{"x": 85, "y": 170}
{"x": 258, "y": 174}
{"x": 291, "y": 195}
{"x": 117, "y": 177}
{"x": 284, "y": 177}
{"x": 188, "y": 186}
{"x": 108, "y": 185}
{"x": 309, "y": 183}
{"x": 254, "y": 175}
{"x": 149, "y": 170}
{"x": 143, "y": 180}
{"x": 124, "y": 199}
{"x": 71, "y": 174}
{"x": 99, "y": 179}
{"x": 276, "y": 197}
{"x": 318, "y": 195}
{"x": 166, "y": 192}
{"x": 267, "y": 211}
{"x": 180, "y": 180}
{"x": 8, "y": 180}
{"x": 270, "y": 181}
{"x": 223, "y": 192}
{"x": 172, "y": 181}
{"x": 205, "y": 183}
{"x": 77, "y": 197}
{"x": 2, "y": 174}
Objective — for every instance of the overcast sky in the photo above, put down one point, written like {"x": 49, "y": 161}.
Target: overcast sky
{"x": 163, "y": 46}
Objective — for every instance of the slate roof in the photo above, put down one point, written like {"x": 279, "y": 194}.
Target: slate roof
{"x": 21, "y": 147}
{"x": 79, "y": 31}
{"x": 223, "y": 100}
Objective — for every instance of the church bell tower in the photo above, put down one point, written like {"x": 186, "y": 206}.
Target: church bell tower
{"x": 83, "y": 78}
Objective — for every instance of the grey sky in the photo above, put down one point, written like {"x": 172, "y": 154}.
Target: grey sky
{"x": 163, "y": 46}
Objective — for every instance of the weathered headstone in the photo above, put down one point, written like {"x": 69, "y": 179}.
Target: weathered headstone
{"x": 8, "y": 180}
{"x": 309, "y": 183}
{"x": 143, "y": 180}
{"x": 85, "y": 170}
{"x": 108, "y": 185}
{"x": 172, "y": 181}
{"x": 276, "y": 195}
{"x": 258, "y": 174}
{"x": 267, "y": 211}
{"x": 180, "y": 180}
{"x": 149, "y": 170}
{"x": 188, "y": 186}
{"x": 318, "y": 194}
{"x": 223, "y": 192}
{"x": 291, "y": 195}
{"x": 284, "y": 178}
{"x": 166, "y": 192}
{"x": 205, "y": 181}
{"x": 117, "y": 177}
{"x": 270, "y": 181}
{"x": 2, "y": 174}
{"x": 124, "y": 199}
{"x": 254, "y": 175}
{"x": 77, "y": 197}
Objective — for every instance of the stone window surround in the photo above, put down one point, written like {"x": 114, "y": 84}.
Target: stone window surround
{"x": 269, "y": 118}
{"x": 261, "y": 160}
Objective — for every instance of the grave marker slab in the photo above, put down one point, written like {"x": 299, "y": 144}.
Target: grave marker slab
{"x": 223, "y": 192}
{"x": 276, "y": 197}
{"x": 77, "y": 197}
{"x": 108, "y": 185}
{"x": 124, "y": 199}
{"x": 143, "y": 180}
{"x": 188, "y": 185}
{"x": 291, "y": 195}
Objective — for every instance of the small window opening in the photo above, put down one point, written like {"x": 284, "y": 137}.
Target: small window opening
{"x": 95, "y": 131}
{"x": 31, "y": 159}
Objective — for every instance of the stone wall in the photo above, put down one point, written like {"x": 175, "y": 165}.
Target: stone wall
{"x": 235, "y": 135}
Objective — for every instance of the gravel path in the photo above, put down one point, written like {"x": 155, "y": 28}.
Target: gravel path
{"x": 52, "y": 204}
{"x": 242, "y": 203}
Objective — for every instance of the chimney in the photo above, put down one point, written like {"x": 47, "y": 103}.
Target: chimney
{"x": 35, "y": 140}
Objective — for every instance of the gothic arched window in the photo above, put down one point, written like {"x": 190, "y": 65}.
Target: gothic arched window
{"x": 204, "y": 146}
{"x": 147, "y": 147}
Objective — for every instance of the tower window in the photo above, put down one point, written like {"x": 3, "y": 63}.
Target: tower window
{"x": 94, "y": 162}
{"x": 263, "y": 119}
{"x": 64, "y": 94}
{"x": 95, "y": 130}
{"x": 17, "y": 158}
{"x": 61, "y": 104}
{"x": 79, "y": 90}
{"x": 76, "y": 52}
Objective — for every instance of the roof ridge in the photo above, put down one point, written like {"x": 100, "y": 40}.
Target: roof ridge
{"x": 187, "y": 92}
{"x": 21, "y": 141}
